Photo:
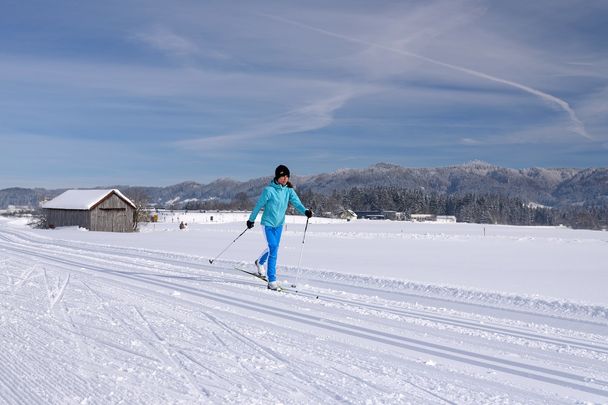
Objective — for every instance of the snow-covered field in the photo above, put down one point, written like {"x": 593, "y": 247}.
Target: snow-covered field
{"x": 386, "y": 312}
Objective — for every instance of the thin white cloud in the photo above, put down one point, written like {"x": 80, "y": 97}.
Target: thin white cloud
{"x": 153, "y": 81}
{"x": 539, "y": 135}
{"x": 576, "y": 124}
{"x": 168, "y": 41}
{"x": 310, "y": 117}
{"x": 596, "y": 104}
{"x": 470, "y": 141}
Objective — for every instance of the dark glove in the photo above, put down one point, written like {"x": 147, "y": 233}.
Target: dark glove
{"x": 250, "y": 224}
{"x": 308, "y": 213}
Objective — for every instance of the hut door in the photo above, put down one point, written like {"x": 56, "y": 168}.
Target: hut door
{"x": 119, "y": 221}
{"x": 112, "y": 219}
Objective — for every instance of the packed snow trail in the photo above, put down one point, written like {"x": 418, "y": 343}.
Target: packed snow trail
{"x": 84, "y": 323}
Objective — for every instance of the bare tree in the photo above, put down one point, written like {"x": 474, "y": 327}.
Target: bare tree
{"x": 38, "y": 219}
{"x": 140, "y": 199}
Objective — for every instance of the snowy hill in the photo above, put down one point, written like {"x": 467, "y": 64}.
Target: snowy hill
{"x": 550, "y": 187}
{"x": 385, "y": 312}
{"x": 538, "y": 185}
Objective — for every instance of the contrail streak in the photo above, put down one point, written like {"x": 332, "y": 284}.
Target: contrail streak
{"x": 577, "y": 125}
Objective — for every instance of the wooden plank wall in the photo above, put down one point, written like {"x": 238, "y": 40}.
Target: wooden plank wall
{"x": 68, "y": 218}
{"x": 112, "y": 215}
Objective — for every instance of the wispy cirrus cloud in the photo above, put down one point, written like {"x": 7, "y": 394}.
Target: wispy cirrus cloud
{"x": 166, "y": 40}
{"x": 169, "y": 42}
{"x": 576, "y": 124}
{"x": 406, "y": 81}
{"x": 309, "y": 117}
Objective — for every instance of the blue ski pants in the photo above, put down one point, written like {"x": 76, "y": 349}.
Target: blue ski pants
{"x": 273, "y": 238}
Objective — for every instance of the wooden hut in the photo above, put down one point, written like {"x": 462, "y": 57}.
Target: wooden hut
{"x": 95, "y": 210}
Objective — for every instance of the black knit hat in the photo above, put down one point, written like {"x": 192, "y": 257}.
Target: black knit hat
{"x": 281, "y": 171}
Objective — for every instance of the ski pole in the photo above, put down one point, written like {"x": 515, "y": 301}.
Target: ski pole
{"x": 226, "y": 248}
{"x": 301, "y": 252}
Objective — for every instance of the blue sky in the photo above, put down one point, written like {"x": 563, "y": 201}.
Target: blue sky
{"x": 155, "y": 93}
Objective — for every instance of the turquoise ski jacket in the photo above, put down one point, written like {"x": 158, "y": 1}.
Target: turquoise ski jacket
{"x": 274, "y": 200}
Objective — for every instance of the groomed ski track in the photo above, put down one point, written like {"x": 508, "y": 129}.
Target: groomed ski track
{"x": 84, "y": 323}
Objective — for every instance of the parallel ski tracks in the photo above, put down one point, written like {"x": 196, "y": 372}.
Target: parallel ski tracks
{"x": 470, "y": 324}
{"x": 352, "y": 302}
{"x": 188, "y": 262}
{"x": 135, "y": 262}
{"x": 145, "y": 281}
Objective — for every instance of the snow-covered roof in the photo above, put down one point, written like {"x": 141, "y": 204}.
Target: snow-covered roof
{"x": 82, "y": 199}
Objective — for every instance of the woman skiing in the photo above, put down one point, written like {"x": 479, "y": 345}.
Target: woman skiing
{"x": 275, "y": 199}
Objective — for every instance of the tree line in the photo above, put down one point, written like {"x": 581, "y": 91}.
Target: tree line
{"x": 468, "y": 207}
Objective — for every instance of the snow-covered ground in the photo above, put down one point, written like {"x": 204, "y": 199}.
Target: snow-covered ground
{"x": 386, "y": 312}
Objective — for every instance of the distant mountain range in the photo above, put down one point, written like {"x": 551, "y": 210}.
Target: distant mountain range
{"x": 550, "y": 187}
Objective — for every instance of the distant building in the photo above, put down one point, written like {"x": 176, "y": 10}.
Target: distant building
{"x": 370, "y": 215}
{"x": 381, "y": 214}
{"x": 12, "y": 209}
{"x": 444, "y": 219}
{"x": 390, "y": 215}
{"x": 422, "y": 217}
{"x": 95, "y": 210}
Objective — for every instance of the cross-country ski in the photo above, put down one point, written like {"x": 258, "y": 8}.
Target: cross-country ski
{"x": 281, "y": 286}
